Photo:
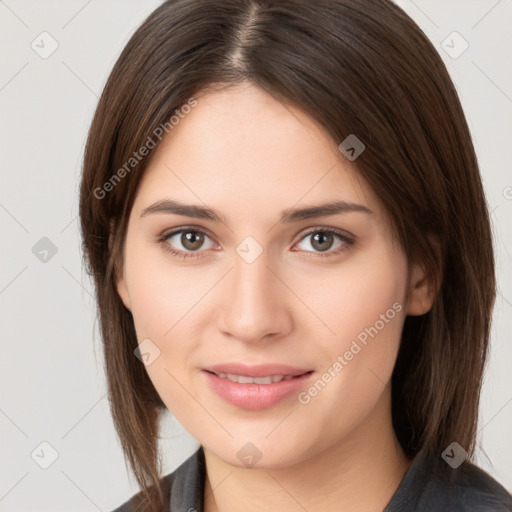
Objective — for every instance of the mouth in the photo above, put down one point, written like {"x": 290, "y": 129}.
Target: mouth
{"x": 256, "y": 387}
{"x": 247, "y": 379}
{"x": 242, "y": 370}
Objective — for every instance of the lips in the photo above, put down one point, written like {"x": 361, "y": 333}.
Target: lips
{"x": 263, "y": 370}
{"x": 255, "y": 396}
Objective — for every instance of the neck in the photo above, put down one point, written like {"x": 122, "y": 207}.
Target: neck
{"x": 358, "y": 474}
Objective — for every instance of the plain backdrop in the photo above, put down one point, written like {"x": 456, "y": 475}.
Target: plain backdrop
{"x": 53, "y": 407}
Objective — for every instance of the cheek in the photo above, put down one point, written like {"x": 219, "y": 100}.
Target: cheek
{"x": 365, "y": 308}
{"x": 167, "y": 301}
{"x": 164, "y": 298}
{"x": 351, "y": 297}
{"x": 162, "y": 294}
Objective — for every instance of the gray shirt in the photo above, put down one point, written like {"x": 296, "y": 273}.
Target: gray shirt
{"x": 422, "y": 489}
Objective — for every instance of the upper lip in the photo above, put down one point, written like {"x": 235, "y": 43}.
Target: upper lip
{"x": 261, "y": 370}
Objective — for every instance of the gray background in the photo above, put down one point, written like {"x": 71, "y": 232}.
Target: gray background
{"x": 51, "y": 369}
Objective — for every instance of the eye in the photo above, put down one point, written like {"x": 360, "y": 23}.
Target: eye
{"x": 329, "y": 241}
{"x": 186, "y": 243}
{"x": 187, "y": 240}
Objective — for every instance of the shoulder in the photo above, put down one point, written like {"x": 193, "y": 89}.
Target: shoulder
{"x": 136, "y": 502}
{"x": 429, "y": 486}
{"x": 183, "y": 488}
{"x": 471, "y": 489}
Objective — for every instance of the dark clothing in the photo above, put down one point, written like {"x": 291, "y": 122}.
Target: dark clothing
{"x": 421, "y": 490}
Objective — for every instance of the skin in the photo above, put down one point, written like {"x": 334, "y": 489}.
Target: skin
{"x": 250, "y": 157}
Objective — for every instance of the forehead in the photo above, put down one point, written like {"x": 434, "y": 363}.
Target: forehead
{"x": 241, "y": 148}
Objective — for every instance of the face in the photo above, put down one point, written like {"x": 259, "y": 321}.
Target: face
{"x": 324, "y": 293}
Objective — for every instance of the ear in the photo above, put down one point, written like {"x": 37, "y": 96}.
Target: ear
{"x": 122, "y": 289}
{"x": 119, "y": 276}
{"x": 422, "y": 291}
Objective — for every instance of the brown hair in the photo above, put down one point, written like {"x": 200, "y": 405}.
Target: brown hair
{"x": 358, "y": 67}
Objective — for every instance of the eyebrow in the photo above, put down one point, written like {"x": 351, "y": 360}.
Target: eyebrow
{"x": 289, "y": 215}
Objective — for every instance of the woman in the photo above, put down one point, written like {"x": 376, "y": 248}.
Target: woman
{"x": 283, "y": 213}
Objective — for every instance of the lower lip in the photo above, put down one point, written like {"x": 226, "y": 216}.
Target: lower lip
{"x": 255, "y": 396}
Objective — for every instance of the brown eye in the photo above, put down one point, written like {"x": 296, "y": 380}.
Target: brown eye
{"x": 187, "y": 243}
{"x": 326, "y": 241}
{"x": 192, "y": 240}
{"x": 322, "y": 241}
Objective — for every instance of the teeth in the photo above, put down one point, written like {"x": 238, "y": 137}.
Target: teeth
{"x": 242, "y": 379}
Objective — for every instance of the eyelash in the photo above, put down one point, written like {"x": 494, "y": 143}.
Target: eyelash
{"x": 182, "y": 255}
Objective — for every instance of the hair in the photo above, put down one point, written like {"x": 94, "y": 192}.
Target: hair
{"x": 358, "y": 67}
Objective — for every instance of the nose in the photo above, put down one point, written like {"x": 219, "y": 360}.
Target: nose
{"x": 255, "y": 304}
